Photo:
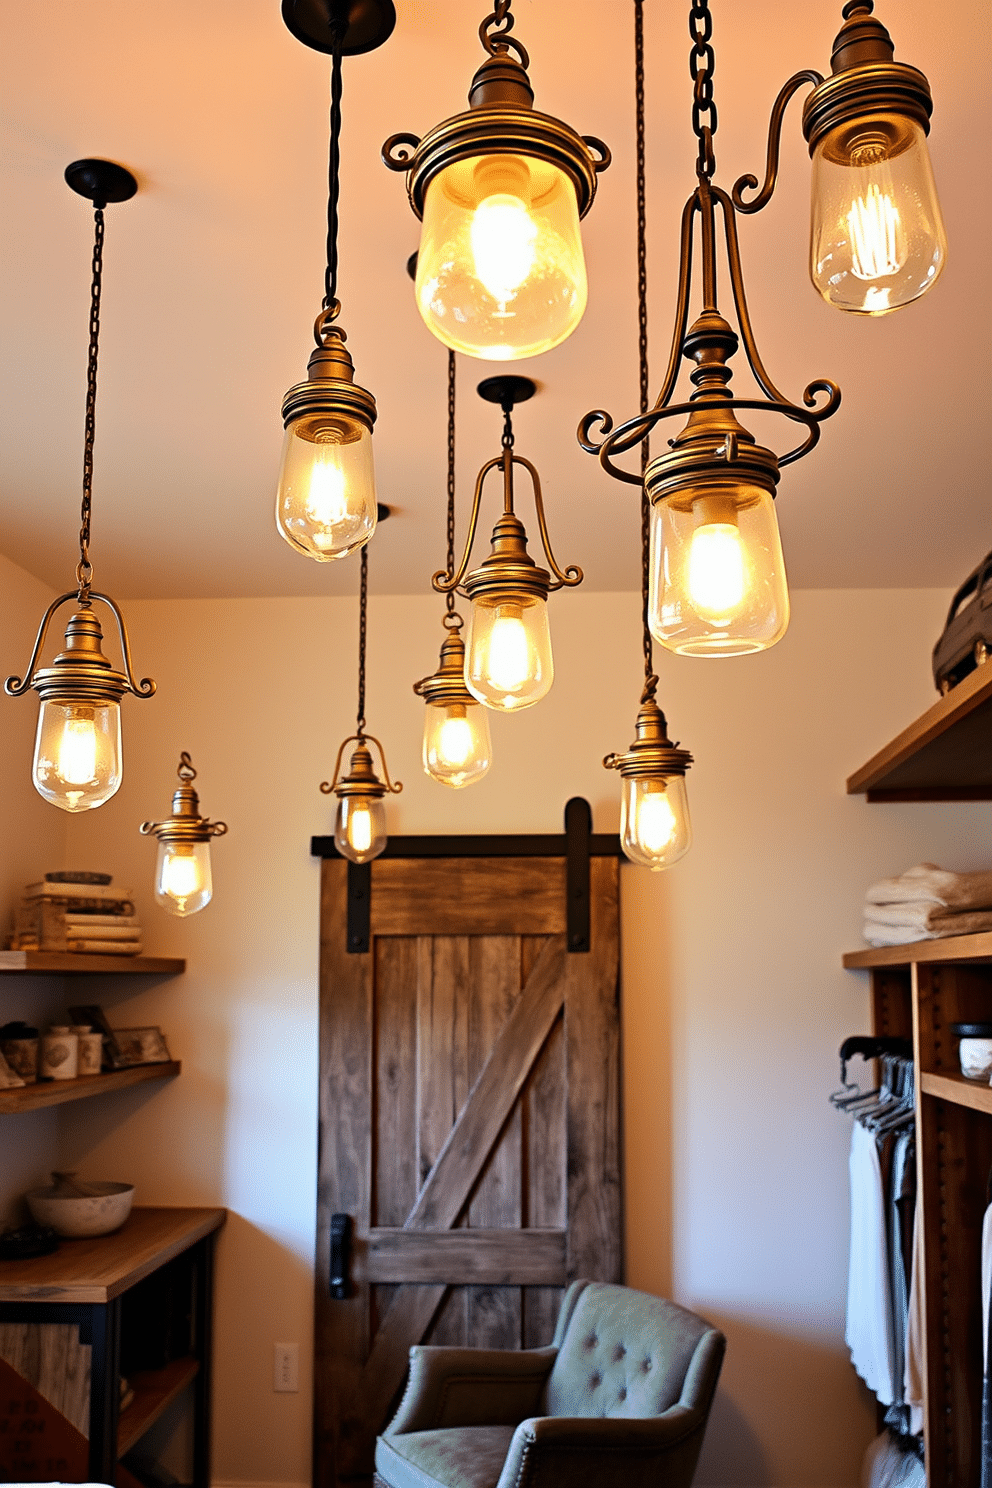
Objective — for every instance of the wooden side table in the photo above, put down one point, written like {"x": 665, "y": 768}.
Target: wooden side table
{"x": 84, "y": 1282}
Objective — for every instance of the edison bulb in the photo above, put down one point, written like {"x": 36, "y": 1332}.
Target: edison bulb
{"x": 326, "y": 502}
{"x": 509, "y": 665}
{"x": 654, "y": 820}
{"x": 717, "y": 574}
{"x": 500, "y": 270}
{"x": 183, "y": 877}
{"x": 360, "y": 827}
{"x": 77, "y": 754}
{"x": 877, "y": 237}
{"x": 457, "y": 744}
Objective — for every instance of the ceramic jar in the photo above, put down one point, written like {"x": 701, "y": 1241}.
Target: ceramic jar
{"x": 90, "y": 1050}
{"x": 19, "y": 1046}
{"x": 975, "y": 1049}
{"x": 59, "y": 1055}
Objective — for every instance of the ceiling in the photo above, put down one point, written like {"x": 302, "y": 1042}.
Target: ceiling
{"x": 214, "y": 275}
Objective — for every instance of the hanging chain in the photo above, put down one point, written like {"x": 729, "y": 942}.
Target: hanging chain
{"x": 452, "y": 620}
{"x": 330, "y": 302}
{"x": 84, "y": 570}
{"x": 650, "y": 680}
{"x": 507, "y": 440}
{"x": 701, "y": 65}
{"x": 363, "y": 604}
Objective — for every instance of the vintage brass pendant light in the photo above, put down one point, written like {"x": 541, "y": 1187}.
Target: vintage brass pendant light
{"x": 717, "y": 580}
{"x": 509, "y": 664}
{"x": 655, "y": 830}
{"x": 360, "y": 821}
{"x": 500, "y": 190}
{"x": 183, "y": 877}
{"x": 457, "y": 745}
{"x": 326, "y": 502}
{"x": 77, "y": 755}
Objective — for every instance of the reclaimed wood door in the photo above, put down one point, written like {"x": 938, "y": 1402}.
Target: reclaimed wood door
{"x": 469, "y": 1121}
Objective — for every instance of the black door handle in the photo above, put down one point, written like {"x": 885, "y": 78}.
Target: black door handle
{"x": 340, "y": 1255}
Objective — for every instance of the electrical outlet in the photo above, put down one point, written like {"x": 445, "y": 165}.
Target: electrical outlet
{"x": 286, "y": 1376}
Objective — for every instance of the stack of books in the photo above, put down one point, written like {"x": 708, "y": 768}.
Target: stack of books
{"x": 78, "y": 912}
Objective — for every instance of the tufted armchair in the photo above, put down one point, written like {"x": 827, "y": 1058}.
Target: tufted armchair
{"x": 620, "y": 1398}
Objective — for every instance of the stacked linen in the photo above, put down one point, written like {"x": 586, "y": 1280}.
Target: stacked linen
{"x": 926, "y": 903}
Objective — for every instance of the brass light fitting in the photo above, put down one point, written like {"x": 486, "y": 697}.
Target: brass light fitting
{"x": 183, "y": 877}
{"x": 326, "y": 502}
{"x": 77, "y": 757}
{"x": 509, "y": 665}
{"x": 654, "y": 812}
{"x": 500, "y": 190}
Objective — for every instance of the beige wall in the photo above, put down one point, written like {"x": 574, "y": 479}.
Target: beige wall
{"x": 734, "y": 1000}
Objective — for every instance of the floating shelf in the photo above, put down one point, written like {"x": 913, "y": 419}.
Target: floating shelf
{"x": 74, "y": 964}
{"x": 959, "y": 1090}
{"x": 947, "y": 948}
{"x": 946, "y": 755}
{"x": 154, "y": 1390}
{"x": 58, "y": 1092}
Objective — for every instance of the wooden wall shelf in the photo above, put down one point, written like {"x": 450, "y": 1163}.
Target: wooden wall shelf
{"x": 59, "y": 1092}
{"x": 959, "y": 1090}
{"x": 946, "y": 755}
{"x": 947, "y": 948}
{"x": 76, "y": 965}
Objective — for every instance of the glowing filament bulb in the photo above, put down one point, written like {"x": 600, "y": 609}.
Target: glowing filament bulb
{"x": 327, "y": 500}
{"x": 504, "y": 238}
{"x": 508, "y": 663}
{"x": 360, "y": 828}
{"x": 455, "y": 741}
{"x": 656, "y": 821}
{"x": 717, "y": 569}
{"x": 181, "y": 876}
{"x": 77, "y": 749}
{"x": 878, "y": 243}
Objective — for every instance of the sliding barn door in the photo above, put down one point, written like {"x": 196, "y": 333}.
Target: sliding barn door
{"x": 469, "y": 1123}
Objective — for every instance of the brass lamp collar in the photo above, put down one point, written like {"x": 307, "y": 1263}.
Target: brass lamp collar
{"x": 864, "y": 79}
{"x": 509, "y": 567}
{"x": 81, "y": 673}
{"x": 652, "y": 753}
{"x": 330, "y": 387}
{"x": 447, "y": 685}
{"x": 361, "y": 779}
{"x": 185, "y": 824}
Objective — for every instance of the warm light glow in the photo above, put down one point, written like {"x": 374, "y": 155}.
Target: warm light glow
{"x": 457, "y": 746}
{"x": 654, "y": 820}
{"x": 878, "y": 243}
{"x": 77, "y": 758}
{"x": 360, "y": 828}
{"x": 508, "y": 662}
{"x": 326, "y": 502}
{"x": 455, "y": 741}
{"x": 503, "y": 245}
{"x": 180, "y": 876}
{"x": 656, "y": 824}
{"x": 717, "y": 569}
{"x": 183, "y": 877}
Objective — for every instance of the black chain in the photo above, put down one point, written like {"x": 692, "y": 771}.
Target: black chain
{"x": 650, "y": 680}
{"x": 334, "y": 166}
{"x": 494, "y": 33}
{"x": 451, "y": 620}
{"x": 363, "y": 604}
{"x": 84, "y": 572}
{"x": 507, "y": 440}
{"x": 701, "y": 65}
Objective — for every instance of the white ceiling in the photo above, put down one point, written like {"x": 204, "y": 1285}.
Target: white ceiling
{"x": 214, "y": 275}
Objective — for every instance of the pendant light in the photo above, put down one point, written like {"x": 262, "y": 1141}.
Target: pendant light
{"x": 360, "y": 822}
{"x": 77, "y": 754}
{"x": 500, "y": 190}
{"x": 509, "y": 665}
{"x": 717, "y": 575}
{"x": 457, "y": 745}
{"x": 326, "y": 501}
{"x": 183, "y": 878}
{"x": 655, "y": 830}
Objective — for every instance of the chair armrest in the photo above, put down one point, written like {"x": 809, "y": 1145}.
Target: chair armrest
{"x": 605, "y": 1451}
{"x": 470, "y": 1387}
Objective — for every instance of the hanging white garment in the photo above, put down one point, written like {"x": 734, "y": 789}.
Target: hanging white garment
{"x": 869, "y": 1322}
{"x": 913, "y": 1376}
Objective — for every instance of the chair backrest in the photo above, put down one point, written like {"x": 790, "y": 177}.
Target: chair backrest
{"x": 625, "y": 1353}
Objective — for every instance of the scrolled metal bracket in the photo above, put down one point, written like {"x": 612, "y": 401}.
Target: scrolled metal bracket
{"x": 749, "y": 182}
{"x": 15, "y": 686}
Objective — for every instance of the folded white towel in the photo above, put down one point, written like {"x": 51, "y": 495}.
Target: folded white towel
{"x": 928, "y": 883}
{"x": 884, "y": 935}
{"x": 937, "y": 927}
{"x": 913, "y": 914}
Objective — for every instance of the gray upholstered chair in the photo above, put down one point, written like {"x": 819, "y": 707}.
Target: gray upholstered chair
{"x": 620, "y": 1398}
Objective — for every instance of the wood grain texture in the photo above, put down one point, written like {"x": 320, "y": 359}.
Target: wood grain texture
{"x": 501, "y": 1258}
{"x": 948, "y": 948}
{"x": 60, "y": 1092}
{"x": 395, "y": 1087}
{"x": 100, "y": 1269}
{"x": 592, "y": 1053}
{"x": 950, "y": 745}
{"x": 68, "y": 963}
{"x": 450, "y": 896}
{"x": 154, "y": 1391}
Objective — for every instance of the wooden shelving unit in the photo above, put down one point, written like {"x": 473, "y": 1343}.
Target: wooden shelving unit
{"x": 66, "y": 963}
{"x": 946, "y": 755}
{"x": 59, "y": 1092}
{"x": 154, "y": 1390}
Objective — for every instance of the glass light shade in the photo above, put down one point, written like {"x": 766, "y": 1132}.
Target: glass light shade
{"x": 718, "y": 585}
{"x": 508, "y": 663}
{"x": 500, "y": 269}
{"x": 360, "y": 827}
{"x": 77, "y": 754}
{"x": 654, "y": 820}
{"x": 183, "y": 879}
{"x": 457, "y": 746}
{"x": 326, "y": 502}
{"x": 877, "y": 238}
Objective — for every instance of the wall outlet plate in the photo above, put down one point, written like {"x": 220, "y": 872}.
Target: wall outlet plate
{"x": 286, "y": 1368}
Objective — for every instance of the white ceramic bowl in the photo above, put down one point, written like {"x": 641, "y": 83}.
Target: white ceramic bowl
{"x": 96, "y": 1214}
